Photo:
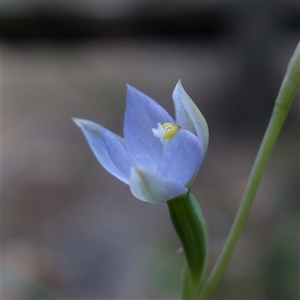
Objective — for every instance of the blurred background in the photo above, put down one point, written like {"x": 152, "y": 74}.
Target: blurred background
{"x": 70, "y": 230}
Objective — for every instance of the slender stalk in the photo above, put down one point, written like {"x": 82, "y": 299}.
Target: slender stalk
{"x": 287, "y": 91}
{"x": 189, "y": 224}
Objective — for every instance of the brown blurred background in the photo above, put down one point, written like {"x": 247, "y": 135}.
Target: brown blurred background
{"x": 70, "y": 230}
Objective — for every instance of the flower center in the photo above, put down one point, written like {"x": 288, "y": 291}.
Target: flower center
{"x": 165, "y": 131}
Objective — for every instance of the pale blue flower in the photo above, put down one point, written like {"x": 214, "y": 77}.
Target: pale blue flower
{"x": 158, "y": 161}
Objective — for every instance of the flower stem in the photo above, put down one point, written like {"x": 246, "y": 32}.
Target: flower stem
{"x": 190, "y": 226}
{"x": 285, "y": 96}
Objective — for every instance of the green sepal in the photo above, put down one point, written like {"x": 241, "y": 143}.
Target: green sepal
{"x": 190, "y": 226}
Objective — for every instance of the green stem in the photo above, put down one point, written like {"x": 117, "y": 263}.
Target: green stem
{"x": 189, "y": 224}
{"x": 287, "y": 91}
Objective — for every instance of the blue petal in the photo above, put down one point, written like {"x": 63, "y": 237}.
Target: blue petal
{"x": 150, "y": 187}
{"x": 141, "y": 115}
{"x": 189, "y": 116}
{"x": 108, "y": 148}
{"x": 181, "y": 158}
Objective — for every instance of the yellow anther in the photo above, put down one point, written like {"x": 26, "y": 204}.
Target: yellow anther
{"x": 170, "y": 128}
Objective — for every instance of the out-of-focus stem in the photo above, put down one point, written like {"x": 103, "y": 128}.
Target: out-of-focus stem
{"x": 283, "y": 102}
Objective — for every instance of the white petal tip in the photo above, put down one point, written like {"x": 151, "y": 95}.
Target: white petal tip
{"x": 81, "y": 123}
{"x": 78, "y": 121}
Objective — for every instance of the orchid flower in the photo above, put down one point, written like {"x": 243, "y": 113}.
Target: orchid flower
{"x": 158, "y": 157}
